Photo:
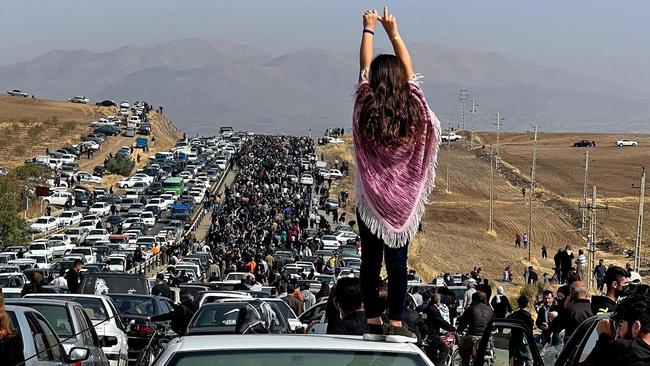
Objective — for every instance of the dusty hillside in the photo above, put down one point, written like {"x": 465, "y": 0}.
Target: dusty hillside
{"x": 614, "y": 171}
{"x": 455, "y": 237}
{"x": 29, "y": 126}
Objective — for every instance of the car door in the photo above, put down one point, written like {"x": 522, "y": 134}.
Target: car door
{"x": 507, "y": 342}
{"x": 48, "y": 349}
{"x": 90, "y": 340}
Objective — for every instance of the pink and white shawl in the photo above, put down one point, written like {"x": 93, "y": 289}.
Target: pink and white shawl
{"x": 393, "y": 183}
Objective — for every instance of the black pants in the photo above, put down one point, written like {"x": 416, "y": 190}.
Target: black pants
{"x": 372, "y": 256}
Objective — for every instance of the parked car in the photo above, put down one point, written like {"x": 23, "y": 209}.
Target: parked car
{"x": 451, "y": 136}
{"x": 71, "y": 325}
{"x": 17, "y": 93}
{"x": 79, "y": 99}
{"x": 59, "y": 199}
{"x": 129, "y": 132}
{"x": 44, "y": 224}
{"x": 290, "y": 350}
{"x": 106, "y": 103}
{"x": 135, "y": 309}
{"x": 104, "y": 316}
{"x": 100, "y": 209}
{"x": 626, "y": 142}
{"x": 41, "y": 346}
{"x": 583, "y": 143}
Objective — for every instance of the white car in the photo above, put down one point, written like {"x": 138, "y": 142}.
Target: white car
{"x": 87, "y": 253}
{"x": 130, "y": 221}
{"x": 158, "y": 202}
{"x": 58, "y": 199}
{"x": 116, "y": 262}
{"x": 90, "y": 145}
{"x": 286, "y": 349}
{"x": 129, "y": 182}
{"x": 59, "y": 248}
{"x": 88, "y": 178}
{"x": 330, "y": 242}
{"x": 135, "y": 120}
{"x": 100, "y": 209}
{"x": 104, "y": 316}
{"x": 148, "y": 218}
{"x": 87, "y": 225}
{"x": 67, "y": 218}
{"x": 168, "y": 197}
{"x": 335, "y": 173}
{"x": 144, "y": 177}
{"x": 306, "y": 179}
{"x": 125, "y": 104}
{"x": 221, "y": 163}
{"x": 344, "y": 236}
{"x": 41, "y": 247}
{"x": 197, "y": 195}
{"x": 79, "y": 99}
{"x": 77, "y": 234}
{"x": 42, "y": 261}
{"x": 67, "y": 158}
{"x": 17, "y": 93}
{"x": 626, "y": 142}
{"x": 452, "y": 136}
{"x": 44, "y": 224}
{"x": 62, "y": 237}
{"x": 96, "y": 235}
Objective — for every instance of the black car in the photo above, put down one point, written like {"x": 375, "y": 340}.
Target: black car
{"x": 110, "y": 199}
{"x": 139, "y": 226}
{"x": 583, "y": 143}
{"x": 99, "y": 170}
{"x": 115, "y": 220}
{"x": 107, "y": 130}
{"x": 144, "y": 130}
{"x": 106, "y": 103}
{"x": 135, "y": 311}
{"x": 72, "y": 150}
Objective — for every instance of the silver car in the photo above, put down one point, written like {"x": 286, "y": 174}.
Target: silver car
{"x": 41, "y": 346}
{"x": 71, "y": 325}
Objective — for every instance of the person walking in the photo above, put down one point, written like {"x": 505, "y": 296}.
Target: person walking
{"x": 501, "y": 304}
{"x": 525, "y": 240}
{"x": 544, "y": 252}
{"x": 395, "y": 135}
{"x": 581, "y": 264}
{"x": 517, "y": 240}
{"x": 73, "y": 276}
{"x": 599, "y": 275}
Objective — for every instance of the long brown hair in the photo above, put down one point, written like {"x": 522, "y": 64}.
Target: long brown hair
{"x": 390, "y": 115}
{"x": 6, "y": 328}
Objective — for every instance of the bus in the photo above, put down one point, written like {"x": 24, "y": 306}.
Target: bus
{"x": 173, "y": 185}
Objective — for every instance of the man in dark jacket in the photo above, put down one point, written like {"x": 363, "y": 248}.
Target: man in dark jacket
{"x": 161, "y": 288}
{"x": 475, "y": 319}
{"x": 437, "y": 351}
{"x": 577, "y": 308}
{"x": 349, "y": 303}
{"x": 181, "y": 315}
{"x": 543, "y": 320}
{"x": 413, "y": 320}
{"x": 73, "y": 276}
{"x": 616, "y": 280}
{"x": 518, "y": 347}
{"x": 567, "y": 262}
{"x": 632, "y": 348}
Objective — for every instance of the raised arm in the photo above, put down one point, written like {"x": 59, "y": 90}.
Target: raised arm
{"x": 390, "y": 25}
{"x": 370, "y": 18}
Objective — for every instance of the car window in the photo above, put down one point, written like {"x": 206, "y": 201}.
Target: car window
{"x": 55, "y": 349}
{"x": 85, "y": 329}
{"x": 313, "y": 314}
{"x": 58, "y": 318}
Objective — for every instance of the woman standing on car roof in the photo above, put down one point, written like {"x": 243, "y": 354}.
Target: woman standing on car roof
{"x": 396, "y": 139}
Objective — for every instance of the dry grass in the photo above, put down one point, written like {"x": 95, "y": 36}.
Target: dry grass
{"x": 29, "y": 126}
{"x": 455, "y": 237}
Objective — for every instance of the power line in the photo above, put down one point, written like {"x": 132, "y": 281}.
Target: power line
{"x": 491, "y": 215}
{"x": 531, "y": 193}
{"x": 498, "y": 119}
{"x": 584, "y": 193}
{"x": 639, "y": 224}
{"x": 463, "y": 96}
{"x": 471, "y": 136}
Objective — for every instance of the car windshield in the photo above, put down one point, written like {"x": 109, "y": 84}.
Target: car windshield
{"x": 97, "y": 232}
{"x": 58, "y": 318}
{"x": 37, "y": 247}
{"x": 93, "y": 307}
{"x": 42, "y": 221}
{"x": 134, "y": 305}
{"x": 294, "y": 357}
{"x": 218, "y": 315}
{"x": 81, "y": 251}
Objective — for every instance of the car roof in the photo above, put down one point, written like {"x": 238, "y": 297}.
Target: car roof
{"x": 40, "y": 301}
{"x": 292, "y": 342}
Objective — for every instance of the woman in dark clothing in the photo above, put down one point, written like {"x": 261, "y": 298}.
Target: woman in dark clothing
{"x": 11, "y": 343}
{"x": 501, "y": 304}
{"x": 324, "y": 291}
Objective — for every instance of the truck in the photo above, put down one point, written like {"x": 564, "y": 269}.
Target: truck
{"x": 451, "y": 136}
{"x": 142, "y": 143}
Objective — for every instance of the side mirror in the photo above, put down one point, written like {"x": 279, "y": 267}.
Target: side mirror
{"x": 107, "y": 341}
{"x": 78, "y": 354}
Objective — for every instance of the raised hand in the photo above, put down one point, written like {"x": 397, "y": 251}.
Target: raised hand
{"x": 370, "y": 18}
{"x": 389, "y": 22}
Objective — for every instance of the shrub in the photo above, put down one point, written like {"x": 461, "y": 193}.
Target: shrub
{"x": 120, "y": 165}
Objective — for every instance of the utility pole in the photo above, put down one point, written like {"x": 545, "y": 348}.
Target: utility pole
{"x": 497, "y": 161}
{"x": 463, "y": 96}
{"x": 531, "y": 192}
{"x": 584, "y": 193}
{"x": 591, "y": 237}
{"x": 449, "y": 157}
{"x": 491, "y": 216}
{"x": 471, "y": 136}
{"x": 639, "y": 225}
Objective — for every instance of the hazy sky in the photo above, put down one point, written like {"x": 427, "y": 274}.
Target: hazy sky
{"x": 605, "y": 39}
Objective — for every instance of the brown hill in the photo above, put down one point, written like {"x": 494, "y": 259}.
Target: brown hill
{"x": 455, "y": 237}
{"x": 29, "y": 126}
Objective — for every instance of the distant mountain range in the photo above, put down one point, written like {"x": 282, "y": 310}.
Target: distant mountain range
{"x": 203, "y": 84}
